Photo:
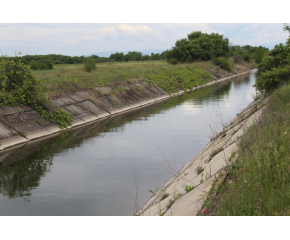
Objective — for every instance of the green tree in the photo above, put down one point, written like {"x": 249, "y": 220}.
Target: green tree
{"x": 199, "y": 46}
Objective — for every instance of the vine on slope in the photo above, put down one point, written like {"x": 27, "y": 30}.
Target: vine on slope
{"x": 19, "y": 86}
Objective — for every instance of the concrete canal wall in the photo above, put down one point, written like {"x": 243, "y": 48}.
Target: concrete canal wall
{"x": 21, "y": 124}
{"x": 215, "y": 160}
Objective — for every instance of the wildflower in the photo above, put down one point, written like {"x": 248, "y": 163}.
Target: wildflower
{"x": 285, "y": 133}
{"x": 204, "y": 211}
{"x": 249, "y": 184}
{"x": 100, "y": 86}
{"x": 245, "y": 169}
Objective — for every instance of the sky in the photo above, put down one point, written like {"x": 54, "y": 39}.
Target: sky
{"x": 88, "y": 27}
{"x": 88, "y": 38}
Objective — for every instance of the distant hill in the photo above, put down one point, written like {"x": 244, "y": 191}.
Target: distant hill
{"x": 143, "y": 51}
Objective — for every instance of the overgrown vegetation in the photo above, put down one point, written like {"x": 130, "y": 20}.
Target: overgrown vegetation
{"x": 259, "y": 182}
{"x": 19, "y": 86}
{"x": 179, "y": 77}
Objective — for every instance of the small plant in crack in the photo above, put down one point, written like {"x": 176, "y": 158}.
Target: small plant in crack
{"x": 199, "y": 169}
{"x": 215, "y": 152}
{"x": 169, "y": 204}
{"x": 188, "y": 188}
{"x": 176, "y": 195}
{"x": 163, "y": 196}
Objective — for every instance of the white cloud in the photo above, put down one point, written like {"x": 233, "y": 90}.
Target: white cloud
{"x": 133, "y": 28}
{"x": 91, "y": 38}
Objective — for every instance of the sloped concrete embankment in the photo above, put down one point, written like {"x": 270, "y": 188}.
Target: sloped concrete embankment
{"x": 179, "y": 202}
{"x": 21, "y": 124}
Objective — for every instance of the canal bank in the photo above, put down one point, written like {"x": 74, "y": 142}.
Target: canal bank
{"x": 185, "y": 194}
{"x": 21, "y": 124}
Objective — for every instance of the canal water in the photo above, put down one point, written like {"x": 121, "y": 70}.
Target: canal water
{"x": 111, "y": 167}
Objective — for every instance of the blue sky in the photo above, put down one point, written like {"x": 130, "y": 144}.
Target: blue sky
{"x": 80, "y": 28}
{"x": 83, "y": 38}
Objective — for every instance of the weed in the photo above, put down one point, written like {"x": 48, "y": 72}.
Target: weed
{"x": 176, "y": 195}
{"x": 188, "y": 188}
{"x": 163, "y": 196}
{"x": 199, "y": 169}
{"x": 154, "y": 191}
{"x": 169, "y": 204}
{"x": 215, "y": 152}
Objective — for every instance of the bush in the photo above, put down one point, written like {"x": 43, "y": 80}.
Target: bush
{"x": 19, "y": 86}
{"x": 274, "y": 69}
{"x": 223, "y": 63}
{"x": 90, "y": 64}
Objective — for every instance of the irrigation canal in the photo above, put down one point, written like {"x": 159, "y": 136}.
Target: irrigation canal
{"x": 108, "y": 167}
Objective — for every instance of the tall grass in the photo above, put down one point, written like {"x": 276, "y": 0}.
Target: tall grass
{"x": 259, "y": 184}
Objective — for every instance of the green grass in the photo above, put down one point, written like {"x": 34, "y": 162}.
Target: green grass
{"x": 71, "y": 77}
{"x": 259, "y": 183}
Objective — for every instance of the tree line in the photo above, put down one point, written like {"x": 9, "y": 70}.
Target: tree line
{"x": 196, "y": 47}
{"x": 200, "y": 46}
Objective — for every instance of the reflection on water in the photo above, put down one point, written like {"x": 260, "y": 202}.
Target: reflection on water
{"x": 108, "y": 167}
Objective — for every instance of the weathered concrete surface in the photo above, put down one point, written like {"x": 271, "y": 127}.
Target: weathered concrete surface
{"x": 190, "y": 203}
{"x": 25, "y": 126}
{"x": 49, "y": 126}
{"x": 9, "y": 137}
{"x": 22, "y": 123}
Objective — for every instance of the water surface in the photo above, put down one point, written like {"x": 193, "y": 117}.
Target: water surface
{"x": 108, "y": 167}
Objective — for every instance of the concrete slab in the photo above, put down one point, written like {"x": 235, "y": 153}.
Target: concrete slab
{"x": 94, "y": 109}
{"x": 190, "y": 203}
{"x": 78, "y": 96}
{"x": 125, "y": 98}
{"x": 9, "y": 137}
{"x": 81, "y": 112}
{"x": 76, "y": 120}
{"x": 140, "y": 93}
{"x": 13, "y": 109}
{"x": 25, "y": 126}
{"x": 142, "y": 103}
{"x": 62, "y": 100}
{"x": 51, "y": 127}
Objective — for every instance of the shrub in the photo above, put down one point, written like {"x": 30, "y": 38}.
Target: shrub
{"x": 19, "y": 86}
{"x": 274, "y": 69}
{"x": 90, "y": 64}
{"x": 223, "y": 63}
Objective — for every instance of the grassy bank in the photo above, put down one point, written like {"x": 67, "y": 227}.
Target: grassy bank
{"x": 259, "y": 182}
{"x": 71, "y": 77}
